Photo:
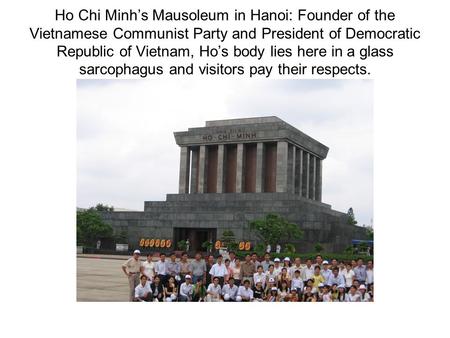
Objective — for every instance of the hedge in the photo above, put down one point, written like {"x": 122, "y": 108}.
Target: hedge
{"x": 304, "y": 256}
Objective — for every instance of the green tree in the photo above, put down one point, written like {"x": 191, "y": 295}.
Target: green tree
{"x": 121, "y": 237}
{"x": 349, "y": 250}
{"x": 351, "y": 217}
{"x": 369, "y": 232}
{"x": 207, "y": 245}
{"x": 259, "y": 249}
{"x": 318, "y": 247}
{"x": 273, "y": 229}
{"x": 229, "y": 240}
{"x": 290, "y": 249}
{"x": 90, "y": 227}
{"x": 103, "y": 207}
{"x": 182, "y": 245}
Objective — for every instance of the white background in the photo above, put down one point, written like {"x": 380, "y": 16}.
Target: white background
{"x": 38, "y": 185}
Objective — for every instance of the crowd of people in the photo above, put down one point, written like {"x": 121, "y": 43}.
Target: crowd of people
{"x": 217, "y": 279}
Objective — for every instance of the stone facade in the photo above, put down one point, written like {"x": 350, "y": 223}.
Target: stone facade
{"x": 235, "y": 171}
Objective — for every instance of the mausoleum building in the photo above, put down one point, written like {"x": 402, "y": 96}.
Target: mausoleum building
{"x": 235, "y": 171}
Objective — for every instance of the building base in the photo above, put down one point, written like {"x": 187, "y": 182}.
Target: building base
{"x": 204, "y": 217}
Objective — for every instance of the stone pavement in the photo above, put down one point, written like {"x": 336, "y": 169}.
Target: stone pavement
{"x": 100, "y": 278}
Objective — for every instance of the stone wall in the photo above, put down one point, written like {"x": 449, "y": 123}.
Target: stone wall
{"x": 233, "y": 211}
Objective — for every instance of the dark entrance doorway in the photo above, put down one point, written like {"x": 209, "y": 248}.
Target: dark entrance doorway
{"x": 196, "y": 236}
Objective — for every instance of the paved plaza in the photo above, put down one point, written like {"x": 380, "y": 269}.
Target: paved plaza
{"x": 101, "y": 279}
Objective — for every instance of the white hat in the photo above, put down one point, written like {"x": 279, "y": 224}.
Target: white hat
{"x": 173, "y": 297}
{"x": 276, "y": 259}
{"x": 271, "y": 280}
{"x": 238, "y": 298}
{"x": 273, "y": 288}
{"x": 287, "y": 259}
{"x": 187, "y": 276}
{"x": 325, "y": 262}
{"x": 320, "y": 285}
{"x": 226, "y": 296}
{"x": 362, "y": 286}
{"x": 136, "y": 252}
{"x": 341, "y": 286}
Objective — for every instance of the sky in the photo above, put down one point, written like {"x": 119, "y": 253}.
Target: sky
{"x": 126, "y": 151}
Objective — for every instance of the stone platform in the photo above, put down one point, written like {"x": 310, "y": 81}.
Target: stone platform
{"x": 233, "y": 211}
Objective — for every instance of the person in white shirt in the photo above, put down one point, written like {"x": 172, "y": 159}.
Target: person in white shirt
{"x": 335, "y": 277}
{"x": 326, "y": 272}
{"x": 365, "y": 297}
{"x": 287, "y": 263}
{"x": 271, "y": 274}
{"x": 349, "y": 276}
{"x": 334, "y": 264}
{"x": 232, "y": 259}
{"x": 342, "y": 268}
{"x": 308, "y": 271}
{"x": 245, "y": 293}
{"x": 161, "y": 268}
{"x": 326, "y": 296}
{"x": 186, "y": 290}
{"x": 236, "y": 272}
{"x": 143, "y": 292}
{"x": 319, "y": 261}
{"x": 369, "y": 273}
{"x": 353, "y": 295}
{"x": 296, "y": 266}
{"x": 342, "y": 295}
{"x": 266, "y": 262}
{"x": 297, "y": 283}
{"x": 277, "y": 266}
{"x": 148, "y": 268}
{"x": 370, "y": 292}
{"x": 219, "y": 270}
{"x": 269, "y": 285}
{"x": 214, "y": 291}
{"x": 320, "y": 289}
{"x": 229, "y": 291}
{"x": 260, "y": 276}
{"x": 255, "y": 260}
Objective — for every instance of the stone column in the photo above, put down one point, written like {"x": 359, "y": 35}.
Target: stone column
{"x": 291, "y": 169}
{"x": 260, "y": 167}
{"x": 305, "y": 175}
{"x": 282, "y": 166}
{"x": 185, "y": 159}
{"x": 319, "y": 179}
{"x": 203, "y": 162}
{"x": 194, "y": 170}
{"x": 240, "y": 167}
{"x": 220, "y": 168}
{"x": 312, "y": 176}
{"x": 298, "y": 171}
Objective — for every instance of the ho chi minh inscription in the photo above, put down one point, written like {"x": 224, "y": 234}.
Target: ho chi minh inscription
{"x": 229, "y": 135}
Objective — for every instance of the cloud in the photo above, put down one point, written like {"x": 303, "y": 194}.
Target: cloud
{"x": 127, "y": 153}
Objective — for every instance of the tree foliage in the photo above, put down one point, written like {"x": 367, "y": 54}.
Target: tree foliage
{"x": 369, "y": 232}
{"x": 182, "y": 245}
{"x": 103, "y": 207}
{"x": 318, "y": 247}
{"x": 290, "y": 249}
{"x": 351, "y": 217}
{"x": 273, "y": 229}
{"x": 90, "y": 227}
{"x": 229, "y": 240}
